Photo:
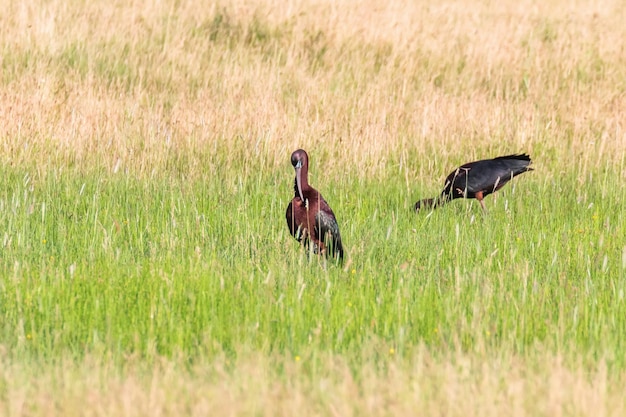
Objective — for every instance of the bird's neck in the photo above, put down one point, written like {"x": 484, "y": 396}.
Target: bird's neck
{"x": 295, "y": 187}
{"x": 307, "y": 190}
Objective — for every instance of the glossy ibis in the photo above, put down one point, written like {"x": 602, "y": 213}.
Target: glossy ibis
{"x": 309, "y": 217}
{"x": 478, "y": 179}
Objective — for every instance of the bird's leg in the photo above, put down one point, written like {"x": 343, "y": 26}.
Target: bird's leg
{"x": 479, "y": 197}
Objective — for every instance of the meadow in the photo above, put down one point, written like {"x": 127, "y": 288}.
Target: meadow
{"x": 146, "y": 264}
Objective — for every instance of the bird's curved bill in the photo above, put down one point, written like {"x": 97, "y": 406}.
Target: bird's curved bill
{"x": 299, "y": 179}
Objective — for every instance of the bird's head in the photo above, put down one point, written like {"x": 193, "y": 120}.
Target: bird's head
{"x": 300, "y": 162}
{"x": 427, "y": 203}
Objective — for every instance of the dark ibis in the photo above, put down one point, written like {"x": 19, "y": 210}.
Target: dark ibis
{"x": 478, "y": 179}
{"x": 309, "y": 217}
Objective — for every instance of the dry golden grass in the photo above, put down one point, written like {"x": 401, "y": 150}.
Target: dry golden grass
{"x": 129, "y": 84}
{"x": 459, "y": 385}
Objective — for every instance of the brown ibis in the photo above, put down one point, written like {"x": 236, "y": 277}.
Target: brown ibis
{"x": 309, "y": 217}
{"x": 478, "y": 179}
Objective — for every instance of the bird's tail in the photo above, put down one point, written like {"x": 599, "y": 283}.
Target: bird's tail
{"x": 518, "y": 164}
{"x": 338, "y": 249}
{"x": 333, "y": 246}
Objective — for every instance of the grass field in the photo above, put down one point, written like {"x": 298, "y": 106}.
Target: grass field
{"x": 146, "y": 265}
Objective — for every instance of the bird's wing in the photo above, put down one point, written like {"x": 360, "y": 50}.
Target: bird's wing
{"x": 494, "y": 174}
{"x": 327, "y": 230}
{"x": 486, "y": 175}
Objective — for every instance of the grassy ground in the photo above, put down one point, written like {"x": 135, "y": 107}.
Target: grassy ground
{"x": 146, "y": 265}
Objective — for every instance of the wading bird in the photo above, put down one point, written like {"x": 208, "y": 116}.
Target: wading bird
{"x": 309, "y": 217}
{"x": 478, "y": 179}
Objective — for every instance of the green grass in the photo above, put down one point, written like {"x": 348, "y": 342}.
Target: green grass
{"x": 145, "y": 262}
{"x": 94, "y": 263}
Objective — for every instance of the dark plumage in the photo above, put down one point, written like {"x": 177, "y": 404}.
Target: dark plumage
{"x": 309, "y": 217}
{"x": 478, "y": 179}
